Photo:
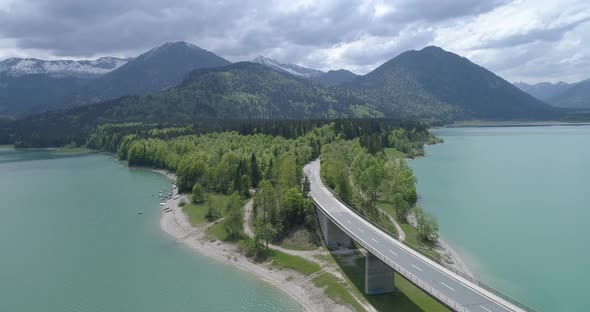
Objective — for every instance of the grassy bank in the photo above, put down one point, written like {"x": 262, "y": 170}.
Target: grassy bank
{"x": 411, "y": 232}
{"x": 406, "y": 298}
{"x": 197, "y": 213}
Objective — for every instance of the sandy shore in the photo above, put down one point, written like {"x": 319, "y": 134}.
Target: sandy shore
{"x": 299, "y": 287}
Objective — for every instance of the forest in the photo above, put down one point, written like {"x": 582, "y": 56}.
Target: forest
{"x": 265, "y": 161}
{"x": 371, "y": 175}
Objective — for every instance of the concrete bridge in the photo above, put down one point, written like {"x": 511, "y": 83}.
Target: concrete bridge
{"x": 341, "y": 226}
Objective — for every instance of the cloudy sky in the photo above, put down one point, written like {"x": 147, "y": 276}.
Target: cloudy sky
{"x": 528, "y": 40}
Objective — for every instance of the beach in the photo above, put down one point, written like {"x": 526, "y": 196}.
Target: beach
{"x": 299, "y": 287}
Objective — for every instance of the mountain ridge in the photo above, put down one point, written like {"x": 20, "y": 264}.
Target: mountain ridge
{"x": 161, "y": 67}
{"x": 543, "y": 90}
{"x": 293, "y": 69}
{"x": 61, "y": 68}
{"x": 437, "y": 80}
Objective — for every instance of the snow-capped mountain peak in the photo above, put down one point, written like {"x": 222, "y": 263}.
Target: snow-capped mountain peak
{"x": 60, "y": 68}
{"x": 292, "y": 69}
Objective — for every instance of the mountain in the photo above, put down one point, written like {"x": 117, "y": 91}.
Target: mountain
{"x": 434, "y": 83}
{"x": 26, "y": 94}
{"x": 26, "y": 85}
{"x": 292, "y": 69}
{"x": 336, "y": 77}
{"x": 430, "y": 84}
{"x": 17, "y": 67}
{"x": 576, "y": 96}
{"x": 543, "y": 90}
{"x": 31, "y": 86}
{"x": 152, "y": 71}
{"x": 242, "y": 90}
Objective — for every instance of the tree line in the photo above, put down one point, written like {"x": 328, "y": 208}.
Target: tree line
{"x": 362, "y": 177}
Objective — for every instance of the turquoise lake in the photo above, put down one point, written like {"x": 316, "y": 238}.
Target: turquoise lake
{"x": 71, "y": 240}
{"x": 515, "y": 202}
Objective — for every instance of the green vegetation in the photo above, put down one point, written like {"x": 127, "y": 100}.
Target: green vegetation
{"x": 218, "y": 232}
{"x": 370, "y": 174}
{"x": 431, "y": 85}
{"x": 210, "y": 209}
{"x": 283, "y": 260}
{"x": 339, "y": 291}
{"x": 407, "y": 297}
{"x": 412, "y": 237}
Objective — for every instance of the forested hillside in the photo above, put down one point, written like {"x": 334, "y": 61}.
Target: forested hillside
{"x": 430, "y": 85}
{"x": 238, "y": 91}
{"x": 434, "y": 83}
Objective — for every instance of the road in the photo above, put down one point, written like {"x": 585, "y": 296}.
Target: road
{"x": 445, "y": 286}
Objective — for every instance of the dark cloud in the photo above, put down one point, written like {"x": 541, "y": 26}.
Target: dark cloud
{"x": 354, "y": 34}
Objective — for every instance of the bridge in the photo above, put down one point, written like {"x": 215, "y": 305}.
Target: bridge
{"x": 386, "y": 255}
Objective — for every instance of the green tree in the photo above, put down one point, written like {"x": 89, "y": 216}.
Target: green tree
{"x": 427, "y": 226}
{"x": 401, "y": 207}
{"x": 292, "y": 208}
{"x": 255, "y": 173}
{"x": 234, "y": 217}
{"x": 306, "y": 187}
{"x": 198, "y": 194}
{"x": 343, "y": 187}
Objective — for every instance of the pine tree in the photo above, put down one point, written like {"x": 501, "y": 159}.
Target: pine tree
{"x": 255, "y": 173}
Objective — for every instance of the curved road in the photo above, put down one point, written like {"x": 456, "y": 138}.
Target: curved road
{"x": 440, "y": 283}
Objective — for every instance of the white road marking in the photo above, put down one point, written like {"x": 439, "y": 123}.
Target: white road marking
{"x": 447, "y": 286}
{"x": 361, "y": 231}
{"x": 485, "y": 308}
{"x": 374, "y": 240}
{"x": 419, "y": 269}
{"x": 393, "y": 252}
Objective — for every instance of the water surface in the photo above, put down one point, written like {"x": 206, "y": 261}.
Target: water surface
{"x": 516, "y": 202}
{"x": 71, "y": 240}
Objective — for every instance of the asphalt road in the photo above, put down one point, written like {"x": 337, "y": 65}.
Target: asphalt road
{"x": 448, "y": 287}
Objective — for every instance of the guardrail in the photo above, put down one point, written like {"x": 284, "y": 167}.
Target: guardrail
{"x": 407, "y": 274}
{"x": 437, "y": 261}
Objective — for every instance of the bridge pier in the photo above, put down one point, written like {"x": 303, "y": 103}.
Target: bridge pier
{"x": 333, "y": 236}
{"x": 379, "y": 277}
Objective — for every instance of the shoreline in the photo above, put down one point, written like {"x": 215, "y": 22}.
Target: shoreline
{"x": 295, "y": 285}
{"x": 449, "y": 256}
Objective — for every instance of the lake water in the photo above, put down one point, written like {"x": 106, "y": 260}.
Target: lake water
{"x": 71, "y": 240}
{"x": 515, "y": 202}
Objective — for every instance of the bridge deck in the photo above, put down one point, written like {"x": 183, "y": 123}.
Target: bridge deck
{"x": 445, "y": 286}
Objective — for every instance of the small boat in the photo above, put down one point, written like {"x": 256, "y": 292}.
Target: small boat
{"x": 162, "y": 204}
{"x": 140, "y": 212}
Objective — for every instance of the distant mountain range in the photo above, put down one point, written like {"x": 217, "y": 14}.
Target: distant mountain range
{"x": 17, "y": 67}
{"x": 331, "y": 78}
{"x": 292, "y": 69}
{"x": 29, "y": 86}
{"x": 561, "y": 94}
{"x": 336, "y": 77}
{"x": 576, "y": 96}
{"x": 430, "y": 84}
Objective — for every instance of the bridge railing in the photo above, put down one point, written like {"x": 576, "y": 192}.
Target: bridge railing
{"x": 407, "y": 274}
{"x": 438, "y": 261}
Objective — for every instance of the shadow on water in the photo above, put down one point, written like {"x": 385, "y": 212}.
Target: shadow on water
{"x": 12, "y": 155}
{"x": 406, "y": 297}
